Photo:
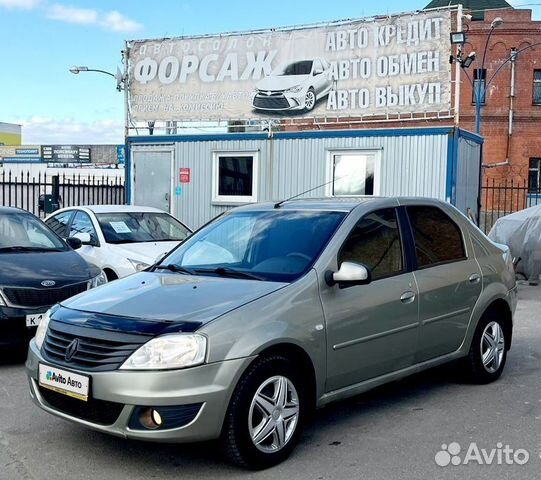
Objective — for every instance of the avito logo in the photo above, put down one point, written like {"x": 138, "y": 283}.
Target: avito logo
{"x": 501, "y": 455}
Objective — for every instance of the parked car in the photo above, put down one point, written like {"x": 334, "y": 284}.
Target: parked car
{"x": 294, "y": 86}
{"x": 313, "y": 301}
{"x": 37, "y": 270}
{"x": 120, "y": 239}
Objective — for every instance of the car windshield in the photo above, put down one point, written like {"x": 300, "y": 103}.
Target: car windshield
{"x": 134, "y": 227}
{"x": 22, "y": 232}
{"x": 278, "y": 245}
{"x": 303, "y": 67}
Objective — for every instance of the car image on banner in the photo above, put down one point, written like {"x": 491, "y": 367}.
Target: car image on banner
{"x": 295, "y": 86}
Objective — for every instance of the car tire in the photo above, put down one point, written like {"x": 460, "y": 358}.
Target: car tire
{"x": 310, "y": 100}
{"x": 488, "y": 351}
{"x": 253, "y": 412}
{"x": 110, "y": 275}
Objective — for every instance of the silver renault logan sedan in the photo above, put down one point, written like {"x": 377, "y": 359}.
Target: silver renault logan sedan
{"x": 273, "y": 310}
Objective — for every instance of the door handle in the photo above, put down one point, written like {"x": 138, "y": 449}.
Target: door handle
{"x": 407, "y": 297}
{"x": 474, "y": 278}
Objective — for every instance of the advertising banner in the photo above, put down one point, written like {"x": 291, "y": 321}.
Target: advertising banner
{"x": 20, "y": 154}
{"x": 386, "y": 65}
{"x": 65, "y": 153}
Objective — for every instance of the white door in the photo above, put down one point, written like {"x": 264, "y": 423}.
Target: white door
{"x": 152, "y": 178}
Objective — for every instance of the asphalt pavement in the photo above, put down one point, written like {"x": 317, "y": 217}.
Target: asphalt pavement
{"x": 400, "y": 431}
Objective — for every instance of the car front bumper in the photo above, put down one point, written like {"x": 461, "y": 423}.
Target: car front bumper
{"x": 208, "y": 386}
{"x": 279, "y": 101}
{"x": 13, "y": 329}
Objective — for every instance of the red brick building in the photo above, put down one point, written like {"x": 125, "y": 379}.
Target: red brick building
{"x": 510, "y": 124}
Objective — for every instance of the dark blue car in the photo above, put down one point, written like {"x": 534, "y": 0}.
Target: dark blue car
{"x": 37, "y": 270}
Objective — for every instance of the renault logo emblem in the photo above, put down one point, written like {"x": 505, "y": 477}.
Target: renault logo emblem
{"x": 48, "y": 283}
{"x": 71, "y": 350}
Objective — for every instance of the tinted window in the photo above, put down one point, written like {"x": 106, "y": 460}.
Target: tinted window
{"x": 59, "y": 223}
{"x": 304, "y": 67}
{"x": 375, "y": 242}
{"x": 82, "y": 224}
{"x": 437, "y": 238}
{"x": 235, "y": 176}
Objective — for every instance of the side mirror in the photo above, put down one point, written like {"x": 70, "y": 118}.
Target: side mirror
{"x": 318, "y": 72}
{"x": 74, "y": 242}
{"x": 85, "y": 238}
{"x": 349, "y": 274}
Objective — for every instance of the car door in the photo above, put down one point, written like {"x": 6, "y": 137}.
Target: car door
{"x": 371, "y": 329}
{"x": 448, "y": 277}
{"x": 82, "y": 223}
{"x": 59, "y": 223}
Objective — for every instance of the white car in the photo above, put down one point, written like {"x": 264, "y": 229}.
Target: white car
{"x": 120, "y": 239}
{"x": 294, "y": 86}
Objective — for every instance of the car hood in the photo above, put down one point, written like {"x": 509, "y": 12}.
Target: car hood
{"x": 147, "y": 302}
{"x": 281, "y": 82}
{"x": 28, "y": 269}
{"x": 147, "y": 252}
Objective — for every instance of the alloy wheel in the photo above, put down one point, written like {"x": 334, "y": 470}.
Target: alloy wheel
{"x": 274, "y": 414}
{"x": 492, "y": 347}
{"x": 309, "y": 100}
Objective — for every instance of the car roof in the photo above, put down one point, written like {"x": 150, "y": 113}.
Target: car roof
{"x": 115, "y": 208}
{"x": 343, "y": 204}
{"x": 6, "y": 210}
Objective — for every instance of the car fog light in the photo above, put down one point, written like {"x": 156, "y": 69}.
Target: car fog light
{"x": 156, "y": 417}
{"x": 150, "y": 418}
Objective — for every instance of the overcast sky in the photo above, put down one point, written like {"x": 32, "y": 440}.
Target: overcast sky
{"x": 41, "y": 39}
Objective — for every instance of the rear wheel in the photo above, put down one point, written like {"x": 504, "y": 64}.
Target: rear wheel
{"x": 266, "y": 414}
{"x": 488, "y": 351}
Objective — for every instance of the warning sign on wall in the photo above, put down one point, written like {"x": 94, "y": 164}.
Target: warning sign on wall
{"x": 184, "y": 175}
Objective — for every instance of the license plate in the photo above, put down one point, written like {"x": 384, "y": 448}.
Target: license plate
{"x": 34, "y": 319}
{"x": 62, "y": 381}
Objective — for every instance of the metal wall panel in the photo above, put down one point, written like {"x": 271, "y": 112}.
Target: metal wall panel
{"x": 410, "y": 165}
{"x": 467, "y": 176}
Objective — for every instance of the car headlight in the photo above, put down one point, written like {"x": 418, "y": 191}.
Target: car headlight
{"x": 42, "y": 329}
{"x": 138, "y": 264}
{"x": 295, "y": 89}
{"x": 98, "y": 280}
{"x": 169, "y": 351}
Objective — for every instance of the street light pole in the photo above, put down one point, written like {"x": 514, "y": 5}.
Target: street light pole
{"x": 480, "y": 91}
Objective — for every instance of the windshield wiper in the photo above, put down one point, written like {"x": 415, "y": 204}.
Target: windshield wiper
{"x": 29, "y": 249}
{"x": 229, "y": 272}
{"x": 176, "y": 268}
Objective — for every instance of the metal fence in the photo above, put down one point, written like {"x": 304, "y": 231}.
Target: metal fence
{"x": 501, "y": 198}
{"x": 26, "y": 191}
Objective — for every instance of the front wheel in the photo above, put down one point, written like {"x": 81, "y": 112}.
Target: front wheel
{"x": 488, "y": 351}
{"x": 265, "y": 415}
{"x": 309, "y": 100}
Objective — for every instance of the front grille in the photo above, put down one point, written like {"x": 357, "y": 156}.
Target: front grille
{"x": 98, "y": 350}
{"x": 272, "y": 102}
{"x": 42, "y": 297}
{"x": 93, "y": 410}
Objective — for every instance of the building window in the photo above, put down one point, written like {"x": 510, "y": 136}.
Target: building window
{"x": 534, "y": 176}
{"x": 537, "y": 87}
{"x": 479, "y": 81}
{"x": 235, "y": 177}
{"x": 354, "y": 173}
